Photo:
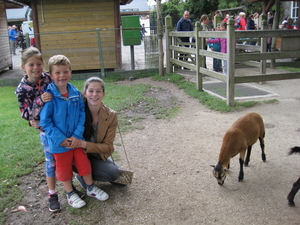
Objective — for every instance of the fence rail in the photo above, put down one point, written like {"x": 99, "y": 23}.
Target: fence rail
{"x": 236, "y": 53}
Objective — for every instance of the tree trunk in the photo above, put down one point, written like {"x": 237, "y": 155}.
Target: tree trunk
{"x": 160, "y": 37}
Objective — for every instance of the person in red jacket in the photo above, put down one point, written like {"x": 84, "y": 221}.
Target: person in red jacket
{"x": 242, "y": 21}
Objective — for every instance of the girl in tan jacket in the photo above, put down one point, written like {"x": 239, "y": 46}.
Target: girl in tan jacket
{"x": 100, "y": 131}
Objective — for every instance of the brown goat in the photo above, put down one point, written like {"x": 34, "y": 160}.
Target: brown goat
{"x": 238, "y": 138}
{"x": 296, "y": 185}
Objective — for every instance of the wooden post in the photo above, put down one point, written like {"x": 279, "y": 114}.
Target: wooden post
{"x": 199, "y": 61}
{"x": 160, "y": 37}
{"x": 275, "y": 27}
{"x": 100, "y": 50}
{"x": 168, "y": 23}
{"x": 263, "y": 48}
{"x": 230, "y": 61}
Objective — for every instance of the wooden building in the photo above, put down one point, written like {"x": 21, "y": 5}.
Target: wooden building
{"x": 57, "y": 18}
{"x": 5, "y": 56}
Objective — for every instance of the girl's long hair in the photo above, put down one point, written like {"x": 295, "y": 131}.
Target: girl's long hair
{"x": 88, "y": 125}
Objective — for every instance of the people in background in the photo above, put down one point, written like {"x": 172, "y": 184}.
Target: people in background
{"x": 223, "y": 43}
{"x": 12, "y": 33}
{"x": 143, "y": 31}
{"x": 184, "y": 24}
{"x": 204, "y": 20}
{"x": 241, "y": 21}
{"x": 251, "y": 26}
{"x": 256, "y": 20}
{"x": 216, "y": 47}
{"x": 269, "y": 40}
{"x": 227, "y": 17}
{"x": 270, "y": 18}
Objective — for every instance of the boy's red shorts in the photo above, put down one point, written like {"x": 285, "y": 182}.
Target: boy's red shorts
{"x": 66, "y": 160}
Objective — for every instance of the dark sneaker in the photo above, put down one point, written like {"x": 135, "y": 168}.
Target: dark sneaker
{"x": 79, "y": 193}
{"x": 81, "y": 181}
{"x": 54, "y": 205}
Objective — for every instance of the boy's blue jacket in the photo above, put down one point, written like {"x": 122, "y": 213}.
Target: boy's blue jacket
{"x": 62, "y": 117}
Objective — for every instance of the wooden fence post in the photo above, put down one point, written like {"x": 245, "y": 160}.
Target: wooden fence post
{"x": 168, "y": 25}
{"x": 199, "y": 61}
{"x": 263, "y": 48}
{"x": 230, "y": 35}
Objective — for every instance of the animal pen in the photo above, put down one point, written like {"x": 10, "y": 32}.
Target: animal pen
{"x": 236, "y": 53}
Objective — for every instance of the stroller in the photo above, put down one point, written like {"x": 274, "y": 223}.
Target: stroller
{"x": 21, "y": 41}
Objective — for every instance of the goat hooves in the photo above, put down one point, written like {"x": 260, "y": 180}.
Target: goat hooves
{"x": 246, "y": 163}
{"x": 291, "y": 203}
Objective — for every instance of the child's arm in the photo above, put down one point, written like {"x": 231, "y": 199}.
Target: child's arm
{"x": 78, "y": 132}
{"x": 30, "y": 104}
{"x": 47, "y": 124}
{"x": 216, "y": 40}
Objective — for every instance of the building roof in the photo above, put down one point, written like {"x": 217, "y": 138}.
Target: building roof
{"x": 20, "y": 3}
{"x": 136, "y": 7}
{"x": 17, "y": 14}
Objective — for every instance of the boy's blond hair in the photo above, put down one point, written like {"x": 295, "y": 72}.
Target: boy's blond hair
{"x": 58, "y": 60}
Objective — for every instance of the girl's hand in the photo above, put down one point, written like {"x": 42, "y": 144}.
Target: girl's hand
{"x": 75, "y": 143}
{"x": 35, "y": 123}
{"x": 46, "y": 97}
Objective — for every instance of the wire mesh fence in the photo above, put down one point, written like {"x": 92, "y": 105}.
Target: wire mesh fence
{"x": 100, "y": 50}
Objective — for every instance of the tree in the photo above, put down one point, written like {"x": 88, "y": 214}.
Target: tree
{"x": 198, "y": 8}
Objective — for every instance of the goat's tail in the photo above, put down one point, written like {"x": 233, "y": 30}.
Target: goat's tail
{"x": 294, "y": 150}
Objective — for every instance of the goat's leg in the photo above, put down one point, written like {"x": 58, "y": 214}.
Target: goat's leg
{"x": 262, "y": 145}
{"x": 248, "y": 155}
{"x": 293, "y": 192}
{"x": 241, "y": 174}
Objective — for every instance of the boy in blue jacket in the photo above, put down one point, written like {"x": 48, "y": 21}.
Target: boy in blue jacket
{"x": 63, "y": 119}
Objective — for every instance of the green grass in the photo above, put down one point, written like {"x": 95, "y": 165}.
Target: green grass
{"x": 290, "y": 69}
{"x": 204, "y": 98}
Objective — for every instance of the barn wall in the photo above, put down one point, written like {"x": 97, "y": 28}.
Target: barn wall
{"x": 76, "y": 16}
{"x": 5, "y": 56}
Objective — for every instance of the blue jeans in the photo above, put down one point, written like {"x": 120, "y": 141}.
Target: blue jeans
{"x": 224, "y": 67}
{"x": 104, "y": 171}
{"x": 217, "y": 65}
{"x": 50, "y": 165}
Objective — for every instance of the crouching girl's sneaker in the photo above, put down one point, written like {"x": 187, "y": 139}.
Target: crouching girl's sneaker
{"x": 75, "y": 201}
{"x": 97, "y": 193}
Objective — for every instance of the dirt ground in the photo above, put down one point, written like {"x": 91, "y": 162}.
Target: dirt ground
{"x": 173, "y": 181}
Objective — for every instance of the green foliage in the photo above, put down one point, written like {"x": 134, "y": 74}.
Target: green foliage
{"x": 198, "y": 8}
{"x": 250, "y": 7}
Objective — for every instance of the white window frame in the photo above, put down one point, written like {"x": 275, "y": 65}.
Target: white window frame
{"x": 294, "y": 10}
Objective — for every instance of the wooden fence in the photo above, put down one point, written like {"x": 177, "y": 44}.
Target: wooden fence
{"x": 235, "y": 54}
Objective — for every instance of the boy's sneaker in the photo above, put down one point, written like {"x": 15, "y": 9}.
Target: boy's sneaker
{"x": 53, "y": 202}
{"x": 75, "y": 201}
{"x": 97, "y": 193}
{"x": 81, "y": 181}
{"x": 79, "y": 193}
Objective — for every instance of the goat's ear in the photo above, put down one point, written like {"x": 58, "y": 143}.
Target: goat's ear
{"x": 213, "y": 166}
{"x": 227, "y": 170}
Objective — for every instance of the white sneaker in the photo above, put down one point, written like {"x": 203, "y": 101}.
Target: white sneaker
{"x": 97, "y": 193}
{"x": 75, "y": 201}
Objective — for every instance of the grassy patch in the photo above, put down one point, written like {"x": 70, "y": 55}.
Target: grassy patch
{"x": 204, "y": 98}
{"x": 290, "y": 69}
